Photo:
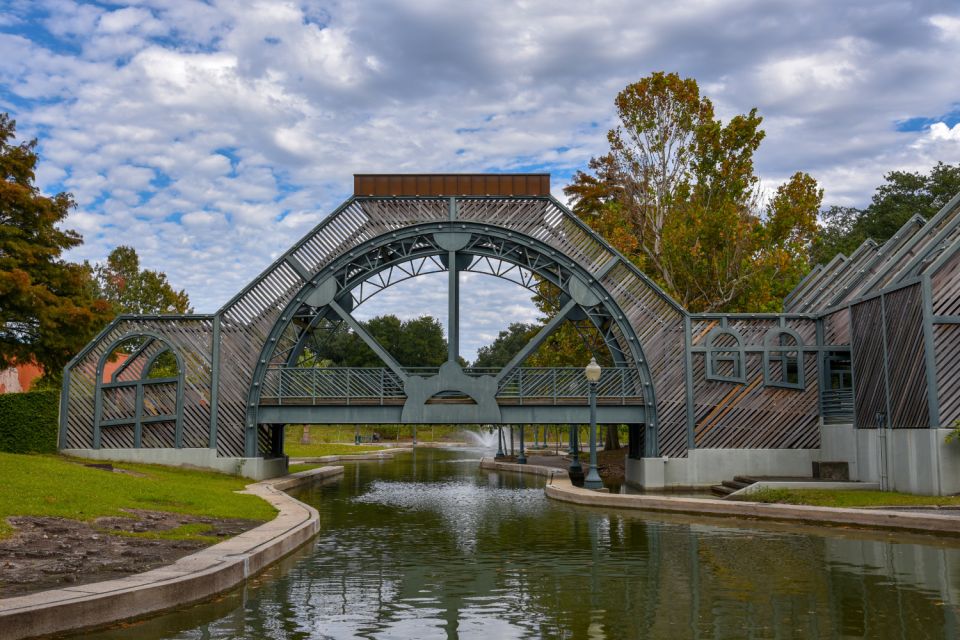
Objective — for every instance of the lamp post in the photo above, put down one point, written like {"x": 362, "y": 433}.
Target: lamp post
{"x": 592, "y": 373}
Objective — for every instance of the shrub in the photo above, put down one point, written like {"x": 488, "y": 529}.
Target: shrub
{"x": 29, "y": 421}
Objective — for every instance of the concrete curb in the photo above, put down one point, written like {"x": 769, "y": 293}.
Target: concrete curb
{"x": 760, "y": 485}
{"x": 190, "y": 579}
{"x": 560, "y": 488}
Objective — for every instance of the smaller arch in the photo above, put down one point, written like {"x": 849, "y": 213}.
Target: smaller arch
{"x": 725, "y": 356}
{"x": 783, "y": 359}
{"x": 144, "y": 399}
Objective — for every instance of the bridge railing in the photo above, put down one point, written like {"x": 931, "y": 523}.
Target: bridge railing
{"x": 568, "y": 385}
{"x": 523, "y": 385}
{"x": 331, "y": 385}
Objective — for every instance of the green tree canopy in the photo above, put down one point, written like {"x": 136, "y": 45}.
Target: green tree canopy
{"x": 506, "y": 345}
{"x": 413, "y": 343}
{"x": 902, "y": 196}
{"x": 677, "y": 194}
{"x": 47, "y": 308}
{"x": 130, "y": 289}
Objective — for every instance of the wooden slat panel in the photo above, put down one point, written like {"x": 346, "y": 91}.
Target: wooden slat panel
{"x": 946, "y": 288}
{"x": 946, "y": 337}
{"x": 905, "y": 357}
{"x": 866, "y": 354}
{"x": 836, "y": 328}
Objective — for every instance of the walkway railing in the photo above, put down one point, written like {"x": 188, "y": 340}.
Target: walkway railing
{"x": 333, "y": 385}
{"x": 837, "y": 406}
{"x": 523, "y": 385}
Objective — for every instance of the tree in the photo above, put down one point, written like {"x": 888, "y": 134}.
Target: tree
{"x": 47, "y": 308}
{"x": 902, "y": 196}
{"x": 677, "y": 194}
{"x": 130, "y": 289}
{"x": 506, "y": 345}
{"x": 413, "y": 343}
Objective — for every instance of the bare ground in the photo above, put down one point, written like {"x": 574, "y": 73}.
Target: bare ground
{"x": 49, "y": 553}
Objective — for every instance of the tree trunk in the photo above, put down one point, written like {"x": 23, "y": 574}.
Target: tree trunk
{"x": 612, "y": 441}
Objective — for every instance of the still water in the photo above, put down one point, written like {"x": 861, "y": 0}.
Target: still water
{"x": 429, "y": 546}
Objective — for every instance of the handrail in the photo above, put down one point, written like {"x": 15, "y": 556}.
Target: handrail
{"x": 545, "y": 385}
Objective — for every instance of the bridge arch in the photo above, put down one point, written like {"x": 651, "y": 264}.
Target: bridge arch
{"x": 328, "y": 293}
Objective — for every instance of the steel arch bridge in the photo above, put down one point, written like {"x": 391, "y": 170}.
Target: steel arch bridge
{"x": 241, "y": 371}
{"x": 868, "y": 343}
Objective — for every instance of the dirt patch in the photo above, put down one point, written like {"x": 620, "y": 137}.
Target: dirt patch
{"x": 49, "y": 553}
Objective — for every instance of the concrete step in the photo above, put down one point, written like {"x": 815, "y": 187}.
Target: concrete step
{"x": 721, "y": 490}
{"x": 735, "y": 484}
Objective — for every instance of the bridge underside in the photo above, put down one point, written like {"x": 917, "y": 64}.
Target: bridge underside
{"x": 392, "y": 414}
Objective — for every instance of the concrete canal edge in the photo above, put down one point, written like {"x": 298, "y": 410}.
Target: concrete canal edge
{"x": 560, "y": 488}
{"x": 191, "y": 579}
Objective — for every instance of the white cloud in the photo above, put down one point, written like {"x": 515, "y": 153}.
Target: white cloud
{"x": 211, "y": 135}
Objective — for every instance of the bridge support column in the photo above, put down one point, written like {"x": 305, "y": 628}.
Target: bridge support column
{"x": 276, "y": 440}
{"x": 523, "y": 455}
{"x": 635, "y": 436}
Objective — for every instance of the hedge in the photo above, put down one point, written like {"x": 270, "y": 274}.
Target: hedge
{"x": 29, "y": 421}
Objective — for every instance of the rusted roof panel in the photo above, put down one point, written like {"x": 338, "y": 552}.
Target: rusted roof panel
{"x": 451, "y": 184}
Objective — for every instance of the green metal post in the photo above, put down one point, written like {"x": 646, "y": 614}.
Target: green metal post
{"x": 593, "y": 481}
{"x": 453, "y": 308}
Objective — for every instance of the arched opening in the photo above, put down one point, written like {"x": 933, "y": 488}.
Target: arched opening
{"x": 783, "y": 359}
{"x": 331, "y": 299}
{"x": 139, "y": 395}
{"x": 725, "y": 357}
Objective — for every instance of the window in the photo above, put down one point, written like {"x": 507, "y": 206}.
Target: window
{"x": 782, "y": 359}
{"x": 725, "y": 356}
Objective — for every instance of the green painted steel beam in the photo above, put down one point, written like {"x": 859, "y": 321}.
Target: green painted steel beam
{"x": 537, "y": 340}
{"x": 377, "y": 348}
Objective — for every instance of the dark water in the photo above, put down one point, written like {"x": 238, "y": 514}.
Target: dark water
{"x": 428, "y": 546}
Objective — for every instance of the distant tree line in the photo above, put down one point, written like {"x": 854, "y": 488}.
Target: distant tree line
{"x": 899, "y": 198}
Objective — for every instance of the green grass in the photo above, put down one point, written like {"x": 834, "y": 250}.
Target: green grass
{"x": 51, "y": 485}
{"x": 296, "y": 450}
{"x": 829, "y": 498}
{"x": 194, "y": 531}
{"x": 303, "y": 467}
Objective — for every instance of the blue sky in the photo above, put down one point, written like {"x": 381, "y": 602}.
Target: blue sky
{"x": 211, "y": 135}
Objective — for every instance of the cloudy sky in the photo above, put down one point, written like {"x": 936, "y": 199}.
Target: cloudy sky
{"x": 211, "y": 135}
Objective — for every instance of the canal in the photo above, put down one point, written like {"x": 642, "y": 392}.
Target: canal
{"x": 429, "y": 546}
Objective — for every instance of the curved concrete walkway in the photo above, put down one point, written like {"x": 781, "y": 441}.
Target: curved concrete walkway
{"x": 560, "y": 488}
{"x": 193, "y": 578}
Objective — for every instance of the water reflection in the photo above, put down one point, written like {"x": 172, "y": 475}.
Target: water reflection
{"x": 430, "y": 547}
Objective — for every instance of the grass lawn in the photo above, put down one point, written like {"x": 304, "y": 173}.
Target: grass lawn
{"x": 303, "y": 467}
{"x": 51, "y": 485}
{"x": 828, "y": 498}
{"x": 297, "y": 450}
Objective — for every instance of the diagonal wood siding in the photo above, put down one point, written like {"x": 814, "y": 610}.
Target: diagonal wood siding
{"x": 905, "y": 359}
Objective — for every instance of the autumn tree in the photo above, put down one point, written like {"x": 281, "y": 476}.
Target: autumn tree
{"x": 130, "y": 289}
{"x": 678, "y": 195}
{"x": 47, "y": 309}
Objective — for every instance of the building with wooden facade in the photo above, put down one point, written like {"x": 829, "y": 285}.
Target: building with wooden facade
{"x": 862, "y": 367}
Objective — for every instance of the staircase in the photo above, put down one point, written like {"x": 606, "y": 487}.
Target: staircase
{"x": 727, "y": 487}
